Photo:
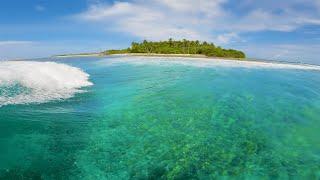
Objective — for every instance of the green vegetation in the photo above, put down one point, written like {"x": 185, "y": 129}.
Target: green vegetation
{"x": 114, "y": 51}
{"x": 179, "y": 47}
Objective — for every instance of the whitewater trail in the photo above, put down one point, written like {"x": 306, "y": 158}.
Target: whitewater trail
{"x": 23, "y": 82}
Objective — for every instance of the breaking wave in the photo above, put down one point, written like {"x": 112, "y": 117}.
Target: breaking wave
{"x": 23, "y": 82}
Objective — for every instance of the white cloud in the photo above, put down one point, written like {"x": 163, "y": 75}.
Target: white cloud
{"x": 262, "y": 20}
{"x": 158, "y": 19}
{"x": 208, "y": 8}
{"x": 39, "y": 8}
{"x": 211, "y": 20}
{"x": 228, "y": 37}
{"x": 7, "y": 43}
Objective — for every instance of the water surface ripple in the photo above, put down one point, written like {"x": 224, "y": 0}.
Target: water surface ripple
{"x": 157, "y": 118}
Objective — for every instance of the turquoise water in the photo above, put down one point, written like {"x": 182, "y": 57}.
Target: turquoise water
{"x": 153, "y": 118}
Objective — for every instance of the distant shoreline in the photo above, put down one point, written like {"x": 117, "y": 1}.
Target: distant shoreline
{"x": 195, "y": 56}
{"x": 146, "y": 55}
{"x": 79, "y": 55}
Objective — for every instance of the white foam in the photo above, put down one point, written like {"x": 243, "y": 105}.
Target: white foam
{"x": 204, "y": 62}
{"x": 44, "y": 81}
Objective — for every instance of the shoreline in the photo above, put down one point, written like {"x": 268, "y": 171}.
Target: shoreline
{"x": 78, "y": 55}
{"x": 194, "y": 56}
{"x": 147, "y": 55}
{"x": 255, "y": 62}
{"x": 161, "y": 55}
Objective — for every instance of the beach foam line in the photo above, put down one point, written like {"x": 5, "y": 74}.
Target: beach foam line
{"x": 24, "y": 82}
{"x": 205, "y": 62}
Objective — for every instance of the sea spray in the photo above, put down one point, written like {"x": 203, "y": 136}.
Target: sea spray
{"x": 38, "y": 82}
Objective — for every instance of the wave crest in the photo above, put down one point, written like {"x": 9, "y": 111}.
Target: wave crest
{"x": 24, "y": 82}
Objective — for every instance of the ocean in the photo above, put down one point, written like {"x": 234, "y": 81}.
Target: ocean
{"x": 158, "y": 118}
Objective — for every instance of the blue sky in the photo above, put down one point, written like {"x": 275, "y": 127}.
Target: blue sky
{"x": 268, "y": 29}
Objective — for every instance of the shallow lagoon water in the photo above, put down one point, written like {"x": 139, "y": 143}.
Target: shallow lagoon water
{"x": 157, "y": 118}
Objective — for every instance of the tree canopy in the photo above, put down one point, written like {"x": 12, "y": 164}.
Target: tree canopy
{"x": 179, "y": 47}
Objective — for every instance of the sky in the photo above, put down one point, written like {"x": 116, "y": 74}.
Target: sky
{"x": 287, "y": 30}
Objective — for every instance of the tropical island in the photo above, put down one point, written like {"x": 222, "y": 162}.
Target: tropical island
{"x": 170, "y": 48}
{"x": 174, "y": 47}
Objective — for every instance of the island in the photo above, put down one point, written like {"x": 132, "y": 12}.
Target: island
{"x": 170, "y": 48}
{"x": 184, "y": 48}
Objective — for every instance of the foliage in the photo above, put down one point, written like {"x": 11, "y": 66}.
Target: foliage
{"x": 180, "y": 47}
{"x": 114, "y": 51}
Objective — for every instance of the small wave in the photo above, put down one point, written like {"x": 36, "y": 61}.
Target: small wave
{"x": 205, "y": 62}
{"x": 23, "y": 82}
